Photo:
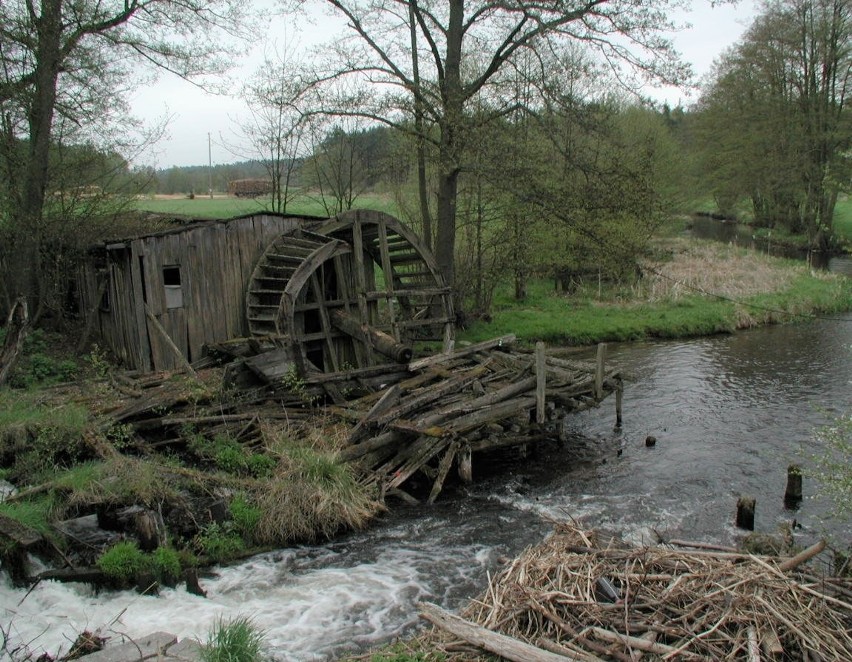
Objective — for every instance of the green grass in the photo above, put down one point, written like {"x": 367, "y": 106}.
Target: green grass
{"x": 36, "y": 513}
{"x": 843, "y": 219}
{"x": 234, "y": 640}
{"x": 227, "y": 207}
{"x": 559, "y": 319}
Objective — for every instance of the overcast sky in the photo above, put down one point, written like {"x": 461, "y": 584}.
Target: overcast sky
{"x": 195, "y": 114}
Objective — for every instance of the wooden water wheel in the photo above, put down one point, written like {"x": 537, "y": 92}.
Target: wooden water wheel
{"x": 354, "y": 293}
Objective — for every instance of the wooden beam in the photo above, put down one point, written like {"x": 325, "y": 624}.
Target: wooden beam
{"x": 466, "y": 351}
{"x": 493, "y": 642}
{"x": 379, "y": 340}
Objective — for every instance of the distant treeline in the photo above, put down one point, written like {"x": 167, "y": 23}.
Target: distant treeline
{"x": 198, "y": 179}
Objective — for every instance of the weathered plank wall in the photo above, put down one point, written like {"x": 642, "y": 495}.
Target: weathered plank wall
{"x": 214, "y": 259}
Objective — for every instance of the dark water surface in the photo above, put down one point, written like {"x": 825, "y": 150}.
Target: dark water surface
{"x": 729, "y": 412}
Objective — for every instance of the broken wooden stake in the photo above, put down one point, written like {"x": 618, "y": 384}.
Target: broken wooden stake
{"x": 745, "y": 513}
{"x": 793, "y": 492}
{"x": 599, "y": 371}
{"x": 541, "y": 383}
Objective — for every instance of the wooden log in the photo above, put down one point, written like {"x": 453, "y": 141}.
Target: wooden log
{"x": 443, "y": 469}
{"x": 804, "y": 555}
{"x": 379, "y": 340}
{"x": 638, "y": 643}
{"x": 493, "y": 642}
{"x": 619, "y": 398}
{"x": 541, "y": 383}
{"x": 494, "y": 413}
{"x": 424, "y": 449}
{"x": 429, "y": 395}
{"x": 753, "y": 645}
{"x": 466, "y": 351}
{"x": 387, "y": 401}
{"x": 745, "y": 513}
{"x": 770, "y": 642}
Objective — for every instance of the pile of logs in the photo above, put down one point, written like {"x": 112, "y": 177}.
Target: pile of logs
{"x": 479, "y": 398}
{"x": 421, "y": 417}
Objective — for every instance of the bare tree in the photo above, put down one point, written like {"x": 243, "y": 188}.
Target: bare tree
{"x": 275, "y": 131}
{"x": 407, "y": 57}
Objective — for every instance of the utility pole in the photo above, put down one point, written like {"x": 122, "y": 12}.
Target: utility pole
{"x": 209, "y": 166}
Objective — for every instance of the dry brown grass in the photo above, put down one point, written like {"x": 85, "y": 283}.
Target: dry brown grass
{"x": 673, "y": 604}
{"x": 712, "y": 267}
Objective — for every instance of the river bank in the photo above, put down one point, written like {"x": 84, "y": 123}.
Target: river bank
{"x": 692, "y": 288}
{"x": 271, "y": 569}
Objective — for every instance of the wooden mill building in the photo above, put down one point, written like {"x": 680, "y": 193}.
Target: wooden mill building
{"x": 352, "y": 291}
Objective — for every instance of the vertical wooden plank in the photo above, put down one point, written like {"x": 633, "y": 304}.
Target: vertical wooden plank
{"x": 388, "y": 271}
{"x": 343, "y": 271}
{"x": 540, "y": 382}
{"x": 599, "y": 371}
{"x": 142, "y": 347}
{"x": 324, "y": 321}
{"x": 358, "y": 265}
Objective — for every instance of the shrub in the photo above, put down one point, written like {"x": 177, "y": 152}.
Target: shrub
{"x": 245, "y": 516}
{"x": 236, "y": 640}
{"x": 219, "y": 544}
{"x": 122, "y": 562}
{"x": 165, "y": 564}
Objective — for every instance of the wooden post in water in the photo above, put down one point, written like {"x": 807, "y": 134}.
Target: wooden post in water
{"x": 599, "y": 371}
{"x": 465, "y": 464}
{"x": 619, "y": 396}
{"x": 540, "y": 382}
{"x": 745, "y": 513}
{"x": 793, "y": 493}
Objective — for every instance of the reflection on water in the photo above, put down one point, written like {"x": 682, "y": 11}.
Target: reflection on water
{"x": 743, "y": 235}
{"x": 729, "y": 412}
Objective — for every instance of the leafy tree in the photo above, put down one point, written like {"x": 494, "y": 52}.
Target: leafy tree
{"x": 436, "y": 61}
{"x": 774, "y": 122}
{"x": 64, "y": 65}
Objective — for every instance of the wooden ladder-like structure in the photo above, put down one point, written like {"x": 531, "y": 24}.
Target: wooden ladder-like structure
{"x": 342, "y": 295}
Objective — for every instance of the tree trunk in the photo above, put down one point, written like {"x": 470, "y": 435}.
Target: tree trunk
{"x": 25, "y": 260}
{"x": 422, "y": 188}
{"x": 450, "y": 145}
{"x": 16, "y": 332}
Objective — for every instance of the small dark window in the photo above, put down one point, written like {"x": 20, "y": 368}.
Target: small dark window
{"x": 171, "y": 283}
{"x": 171, "y": 276}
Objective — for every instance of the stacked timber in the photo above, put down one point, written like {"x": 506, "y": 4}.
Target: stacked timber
{"x": 448, "y": 406}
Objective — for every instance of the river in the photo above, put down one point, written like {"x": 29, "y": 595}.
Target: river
{"x": 729, "y": 413}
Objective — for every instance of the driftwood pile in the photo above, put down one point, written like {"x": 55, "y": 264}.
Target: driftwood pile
{"x": 573, "y": 598}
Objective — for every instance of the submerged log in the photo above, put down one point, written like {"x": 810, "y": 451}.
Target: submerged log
{"x": 745, "y": 513}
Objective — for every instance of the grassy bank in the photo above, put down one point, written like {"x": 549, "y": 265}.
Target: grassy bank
{"x": 700, "y": 288}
